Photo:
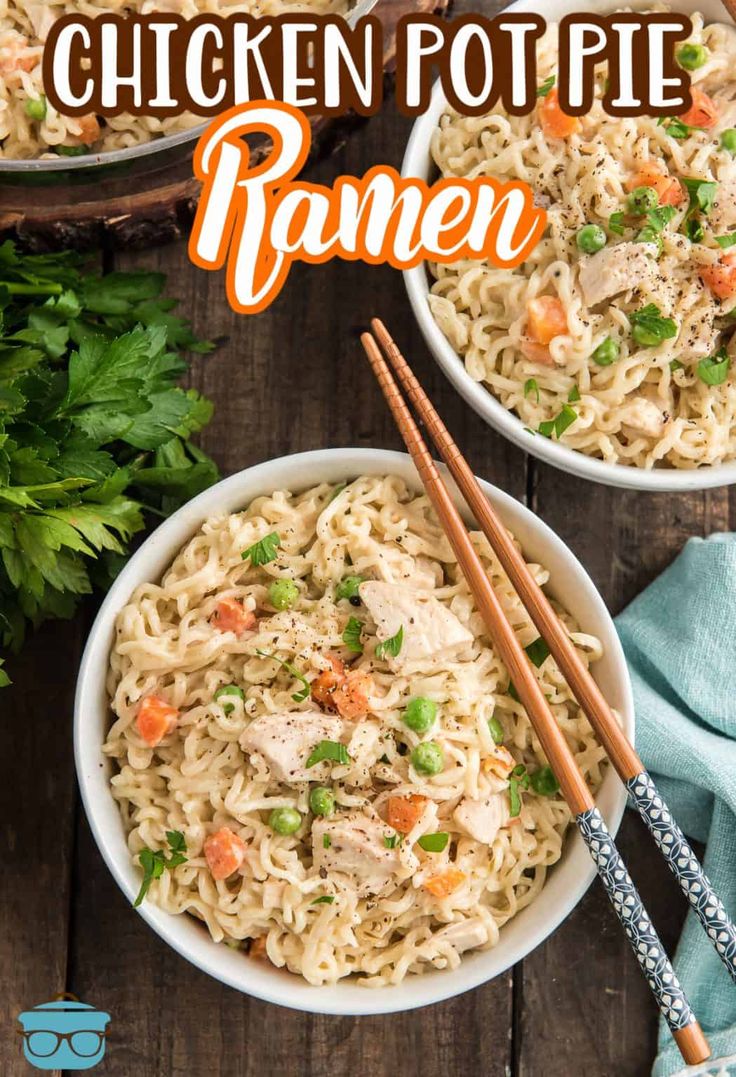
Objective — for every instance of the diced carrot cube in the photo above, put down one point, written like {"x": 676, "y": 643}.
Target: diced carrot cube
{"x": 403, "y": 812}
{"x": 554, "y": 122}
{"x": 703, "y": 112}
{"x": 721, "y": 276}
{"x": 442, "y": 885}
{"x": 224, "y": 852}
{"x": 89, "y": 128}
{"x": 257, "y": 948}
{"x": 155, "y": 719}
{"x": 231, "y": 617}
{"x": 547, "y": 318}
{"x": 351, "y": 695}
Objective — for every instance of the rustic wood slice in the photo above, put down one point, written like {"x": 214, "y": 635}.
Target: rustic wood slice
{"x": 161, "y": 206}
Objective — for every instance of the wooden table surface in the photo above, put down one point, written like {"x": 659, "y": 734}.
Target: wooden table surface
{"x": 290, "y": 379}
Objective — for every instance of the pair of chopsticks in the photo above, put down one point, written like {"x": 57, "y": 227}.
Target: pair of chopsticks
{"x": 671, "y": 841}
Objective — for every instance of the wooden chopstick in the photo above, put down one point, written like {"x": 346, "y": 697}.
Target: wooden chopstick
{"x": 647, "y": 799}
{"x": 626, "y": 901}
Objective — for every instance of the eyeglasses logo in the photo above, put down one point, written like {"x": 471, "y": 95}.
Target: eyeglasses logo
{"x": 64, "y": 1034}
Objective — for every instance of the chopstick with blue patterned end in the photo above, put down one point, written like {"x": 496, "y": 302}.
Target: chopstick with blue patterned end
{"x": 670, "y": 840}
{"x": 649, "y": 952}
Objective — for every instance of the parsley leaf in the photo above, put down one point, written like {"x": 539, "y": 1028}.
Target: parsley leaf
{"x": 326, "y": 841}
{"x": 391, "y": 840}
{"x": 94, "y": 429}
{"x": 560, "y": 423}
{"x": 694, "y": 230}
{"x": 660, "y": 217}
{"x": 726, "y": 241}
{"x": 544, "y": 88}
{"x": 434, "y": 843}
{"x": 263, "y": 551}
{"x": 675, "y": 128}
{"x": 351, "y": 635}
{"x": 714, "y": 369}
{"x": 530, "y": 386}
{"x": 702, "y": 193}
{"x": 391, "y": 646}
{"x": 328, "y": 749}
{"x": 153, "y": 861}
{"x": 616, "y": 222}
{"x": 650, "y": 327}
{"x": 538, "y": 651}
{"x": 574, "y": 395}
{"x": 304, "y": 692}
{"x": 326, "y": 899}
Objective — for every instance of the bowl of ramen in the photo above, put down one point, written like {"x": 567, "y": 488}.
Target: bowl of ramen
{"x": 609, "y": 352}
{"x": 38, "y": 144}
{"x": 300, "y": 754}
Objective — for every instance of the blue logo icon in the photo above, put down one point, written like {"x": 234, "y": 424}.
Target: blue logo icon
{"x": 65, "y": 1034}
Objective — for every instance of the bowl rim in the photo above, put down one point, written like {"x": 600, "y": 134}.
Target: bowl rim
{"x": 417, "y": 163}
{"x": 191, "y": 939}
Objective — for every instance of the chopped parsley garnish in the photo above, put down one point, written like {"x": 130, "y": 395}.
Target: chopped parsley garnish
{"x": 304, "y": 692}
{"x": 714, "y": 369}
{"x": 694, "y": 230}
{"x": 726, "y": 241}
{"x": 676, "y": 365}
{"x": 675, "y": 128}
{"x": 351, "y": 635}
{"x": 336, "y": 492}
{"x": 702, "y": 193}
{"x": 518, "y": 780}
{"x": 391, "y": 646}
{"x": 263, "y": 551}
{"x": 546, "y": 86}
{"x": 538, "y": 651}
{"x": 153, "y": 861}
{"x": 574, "y": 395}
{"x": 650, "y": 328}
{"x": 326, "y": 899}
{"x": 326, "y": 841}
{"x": 391, "y": 840}
{"x": 328, "y": 749}
{"x": 560, "y": 423}
{"x": 511, "y": 690}
{"x": 530, "y": 386}
{"x": 660, "y": 217}
{"x": 616, "y": 222}
{"x": 434, "y": 843}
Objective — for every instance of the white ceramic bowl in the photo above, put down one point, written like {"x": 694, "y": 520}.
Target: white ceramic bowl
{"x": 568, "y": 880}
{"x": 417, "y": 162}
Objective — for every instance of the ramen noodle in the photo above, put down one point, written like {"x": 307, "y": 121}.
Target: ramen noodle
{"x": 614, "y": 336}
{"x": 31, "y": 127}
{"x": 310, "y": 706}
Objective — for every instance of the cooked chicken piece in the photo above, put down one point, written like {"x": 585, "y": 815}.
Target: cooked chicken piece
{"x": 722, "y": 217}
{"x": 643, "y": 418}
{"x": 465, "y": 934}
{"x": 616, "y": 269}
{"x": 429, "y": 627}
{"x": 285, "y": 741}
{"x": 483, "y": 819}
{"x": 356, "y": 845}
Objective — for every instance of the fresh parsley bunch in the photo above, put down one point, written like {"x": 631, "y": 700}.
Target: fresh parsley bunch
{"x": 94, "y": 430}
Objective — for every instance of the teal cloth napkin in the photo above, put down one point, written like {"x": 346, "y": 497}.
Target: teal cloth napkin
{"x": 679, "y": 636}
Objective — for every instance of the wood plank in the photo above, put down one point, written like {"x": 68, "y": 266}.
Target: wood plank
{"x": 586, "y": 975}
{"x": 37, "y": 798}
{"x": 293, "y": 378}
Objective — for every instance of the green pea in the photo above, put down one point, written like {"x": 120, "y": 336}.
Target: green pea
{"x": 496, "y": 730}
{"x": 322, "y": 800}
{"x": 591, "y": 238}
{"x": 229, "y": 690}
{"x": 646, "y": 338}
{"x": 690, "y": 57}
{"x": 641, "y": 200}
{"x": 650, "y": 235}
{"x": 607, "y": 352}
{"x": 348, "y": 588}
{"x": 728, "y": 140}
{"x": 428, "y": 758}
{"x": 544, "y": 782}
{"x": 282, "y": 594}
{"x": 71, "y": 151}
{"x": 420, "y": 714}
{"x": 36, "y": 108}
{"x": 285, "y": 820}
